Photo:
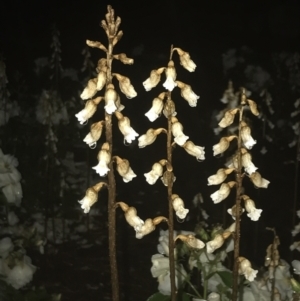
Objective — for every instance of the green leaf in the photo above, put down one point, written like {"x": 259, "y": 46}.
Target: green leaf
{"x": 159, "y": 297}
{"x": 226, "y": 278}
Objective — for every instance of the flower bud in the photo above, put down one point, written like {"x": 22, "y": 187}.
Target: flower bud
{"x": 185, "y": 60}
{"x": 220, "y": 176}
{"x": 101, "y": 80}
{"x": 110, "y": 97}
{"x": 223, "y": 192}
{"x": 253, "y": 107}
{"x": 169, "y": 109}
{"x": 154, "y": 79}
{"x": 164, "y": 178}
{"x": 90, "y": 90}
{"x": 228, "y": 118}
{"x": 188, "y": 94}
{"x": 123, "y": 58}
{"x": 96, "y": 44}
{"x": 125, "y": 85}
{"x": 191, "y": 241}
{"x": 223, "y": 145}
{"x": 170, "y": 71}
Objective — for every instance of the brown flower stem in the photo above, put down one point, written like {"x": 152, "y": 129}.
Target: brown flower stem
{"x": 111, "y": 189}
{"x": 239, "y": 179}
{"x": 171, "y": 214}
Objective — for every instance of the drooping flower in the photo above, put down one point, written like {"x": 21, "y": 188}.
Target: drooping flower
{"x": 177, "y": 131}
{"x": 245, "y": 269}
{"x": 178, "y": 206}
{"x": 157, "y": 107}
{"x": 150, "y": 137}
{"x": 101, "y": 79}
{"x": 124, "y": 169}
{"x": 191, "y": 241}
{"x": 188, "y": 94}
{"x": 228, "y": 118}
{"x": 125, "y": 85}
{"x": 214, "y": 244}
{"x": 253, "y": 107}
{"x": 131, "y": 216}
{"x": 185, "y": 60}
{"x": 253, "y": 213}
{"x": 90, "y": 90}
{"x": 258, "y": 180}
{"x": 154, "y": 79}
{"x": 247, "y": 162}
{"x": 194, "y": 150}
{"x": 220, "y": 176}
{"x": 246, "y": 136}
{"x": 170, "y": 71}
{"x": 223, "y": 145}
{"x": 89, "y": 110}
{"x": 153, "y": 175}
{"x": 91, "y": 197}
{"x": 124, "y": 59}
{"x": 149, "y": 226}
{"x": 233, "y": 211}
{"x": 94, "y": 135}
{"x": 223, "y": 192}
{"x": 110, "y": 97}
{"x": 124, "y": 125}
{"x": 104, "y": 157}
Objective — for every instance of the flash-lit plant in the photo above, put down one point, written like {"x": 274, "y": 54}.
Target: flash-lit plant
{"x": 112, "y": 107}
{"x": 241, "y": 165}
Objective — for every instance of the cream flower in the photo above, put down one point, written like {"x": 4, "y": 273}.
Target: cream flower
{"x": 178, "y": 206}
{"x": 101, "y": 79}
{"x": 222, "y": 193}
{"x": 170, "y": 71}
{"x": 169, "y": 109}
{"x": 245, "y": 269}
{"x": 194, "y": 150}
{"x": 191, "y": 241}
{"x": 104, "y": 157}
{"x": 89, "y": 110}
{"x": 131, "y": 216}
{"x": 91, "y": 197}
{"x": 185, "y": 60}
{"x": 157, "y": 107}
{"x": 246, "y": 136}
{"x": 124, "y": 125}
{"x": 90, "y": 90}
{"x": 233, "y": 212}
{"x": 188, "y": 94}
{"x": 228, "y": 118}
{"x": 154, "y": 174}
{"x": 223, "y": 145}
{"x": 220, "y": 176}
{"x": 125, "y": 85}
{"x": 258, "y": 181}
{"x": 247, "y": 163}
{"x": 149, "y": 137}
{"x": 214, "y": 244}
{"x": 177, "y": 128}
{"x": 253, "y": 213}
{"x": 94, "y": 135}
{"x": 110, "y": 97}
{"x": 124, "y": 169}
{"x": 149, "y": 226}
{"x": 154, "y": 79}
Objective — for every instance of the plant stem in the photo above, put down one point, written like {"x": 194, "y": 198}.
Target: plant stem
{"x": 171, "y": 215}
{"x": 111, "y": 190}
{"x": 239, "y": 179}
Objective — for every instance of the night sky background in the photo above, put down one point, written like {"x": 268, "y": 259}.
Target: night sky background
{"x": 206, "y": 29}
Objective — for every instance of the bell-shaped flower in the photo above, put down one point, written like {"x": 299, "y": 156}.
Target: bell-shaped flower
{"x": 154, "y": 174}
{"x": 110, "y": 97}
{"x": 161, "y": 270}
{"x": 101, "y": 79}
{"x": 125, "y": 85}
{"x": 150, "y": 137}
{"x": 149, "y": 226}
{"x": 214, "y": 244}
{"x": 223, "y": 145}
{"x": 94, "y": 135}
{"x": 191, "y": 241}
{"x": 188, "y": 94}
{"x": 124, "y": 125}
{"x": 123, "y": 58}
{"x": 90, "y": 90}
{"x": 170, "y": 71}
{"x": 131, "y": 216}
{"x": 258, "y": 180}
{"x": 245, "y": 269}
{"x": 233, "y": 211}
{"x": 228, "y": 118}
{"x": 104, "y": 157}
{"x": 296, "y": 266}
{"x": 185, "y": 60}
{"x": 124, "y": 169}
{"x": 253, "y": 213}
{"x": 154, "y": 79}
{"x": 157, "y": 107}
{"x": 246, "y": 136}
{"x": 253, "y": 107}
{"x": 194, "y": 150}
{"x": 177, "y": 129}
{"x": 247, "y": 162}
{"x": 89, "y": 110}
{"x": 169, "y": 109}
{"x": 178, "y": 206}
{"x": 223, "y": 192}
{"x": 220, "y": 176}
{"x": 91, "y": 197}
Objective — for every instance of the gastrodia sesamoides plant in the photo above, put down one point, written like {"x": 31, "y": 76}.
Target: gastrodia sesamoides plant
{"x": 163, "y": 106}
{"x": 241, "y": 166}
{"x": 101, "y": 93}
